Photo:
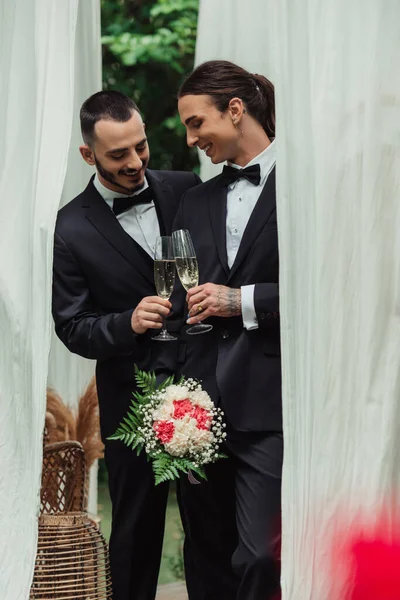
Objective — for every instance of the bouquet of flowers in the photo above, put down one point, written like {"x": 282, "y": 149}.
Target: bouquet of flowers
{"x": 177, "y": 425}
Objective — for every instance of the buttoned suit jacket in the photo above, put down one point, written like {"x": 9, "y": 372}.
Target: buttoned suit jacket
{"x": 100, "y": 275}
{"x": 240, "y": 368}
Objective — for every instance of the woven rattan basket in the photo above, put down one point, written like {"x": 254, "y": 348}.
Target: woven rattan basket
{"x": 72, "y": 558}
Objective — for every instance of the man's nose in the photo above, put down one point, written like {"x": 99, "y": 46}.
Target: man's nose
{"x": 191, "y": 140}
{"x": 134, "y": 163}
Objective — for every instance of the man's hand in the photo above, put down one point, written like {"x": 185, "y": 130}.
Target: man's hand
{"x": 211, "y": 300}
{"x": 149, "y": 314}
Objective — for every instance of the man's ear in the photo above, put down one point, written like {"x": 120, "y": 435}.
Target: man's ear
{"x": 87, "y": 155}
{"x": 236, "y": 109}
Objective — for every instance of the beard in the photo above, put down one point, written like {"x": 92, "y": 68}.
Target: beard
{"x": 110, "y": 177}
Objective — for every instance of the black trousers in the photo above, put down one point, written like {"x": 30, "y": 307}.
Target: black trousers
{"x": 233, "y": 520}
{"x": 138, "y": 516}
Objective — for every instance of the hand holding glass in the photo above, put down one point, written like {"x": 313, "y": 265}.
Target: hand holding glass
{"x": 188, "y": 271}
{"x": 164, "y": 278}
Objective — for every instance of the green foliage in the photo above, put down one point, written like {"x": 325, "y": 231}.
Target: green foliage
{"x": 176, "y": 561}
{"x": 168, "y": 468}
{"x": 148, "y": 48}
{"x": 146, "y": 382}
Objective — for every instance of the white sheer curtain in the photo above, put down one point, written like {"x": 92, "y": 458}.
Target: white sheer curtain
{"x": 335, "y": 68}
{"x": 37, "y": 74}
{"x": 338, "y": 98}
{"x": 70, "y": 374}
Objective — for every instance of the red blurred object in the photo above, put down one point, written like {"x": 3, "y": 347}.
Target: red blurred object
{"x": 376, "y": 570}
{"x": 365, "y": 555}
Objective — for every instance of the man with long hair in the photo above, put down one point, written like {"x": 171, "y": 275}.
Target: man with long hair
{"x": 234, "y": 518}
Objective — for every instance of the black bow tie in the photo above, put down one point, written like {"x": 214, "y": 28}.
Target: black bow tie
{"x": 120, "y": 205}
{"x": 252, "y": 174}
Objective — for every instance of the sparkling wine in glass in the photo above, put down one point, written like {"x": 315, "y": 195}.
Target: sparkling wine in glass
{"x": 188, "y": 270}
{"x": 164, "y": 278}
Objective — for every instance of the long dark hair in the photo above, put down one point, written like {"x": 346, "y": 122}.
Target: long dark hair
{"x": 223, "y": 80}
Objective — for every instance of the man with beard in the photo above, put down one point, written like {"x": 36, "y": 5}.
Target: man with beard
{"x": 105, "y": 307}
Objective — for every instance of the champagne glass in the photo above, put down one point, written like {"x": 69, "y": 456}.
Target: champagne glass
{"x": 188, "y": 270}
{"x": 164, "y": 278}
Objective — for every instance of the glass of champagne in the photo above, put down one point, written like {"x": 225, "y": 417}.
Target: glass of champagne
{"x": 188, "y": 271}
{"x": 164, "y": 278}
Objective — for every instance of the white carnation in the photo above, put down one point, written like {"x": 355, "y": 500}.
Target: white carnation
{"x": 202, "y": 438}
{"x": 164, "y": 411}
{"x": 184, "y": 432}
{"x": 202, "y": 399}
{"x": 176, "y": 392}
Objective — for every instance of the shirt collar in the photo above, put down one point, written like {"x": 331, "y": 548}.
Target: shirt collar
{"x": 266, "y": 159}
{"x": 109, "y": 195}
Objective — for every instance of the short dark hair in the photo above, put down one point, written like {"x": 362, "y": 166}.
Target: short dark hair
{"x": 109, "y": 105}
{"x": 223, "y": 80}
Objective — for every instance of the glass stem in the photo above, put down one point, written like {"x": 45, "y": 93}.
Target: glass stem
{"x": 164, "y": 326}
{"x": 187, "y": 312}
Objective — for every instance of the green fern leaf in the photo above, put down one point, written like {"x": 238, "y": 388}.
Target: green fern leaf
{"x": 166, "y": 383}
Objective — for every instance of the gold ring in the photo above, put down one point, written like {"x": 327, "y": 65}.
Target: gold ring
{"x": 199, "y": 308}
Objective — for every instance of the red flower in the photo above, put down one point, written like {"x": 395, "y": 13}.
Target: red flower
{"x": 164, "y": 431}
{"x": 185, "y": 407}
{"x": 202, "y": 417}
{"x": 182, "y": 408}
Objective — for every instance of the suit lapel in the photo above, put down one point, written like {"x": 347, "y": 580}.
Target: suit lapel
{"x": 102, "y": 218}
{"x": 217, "y": 210}
{"x": 163, "y": 199}
{"x": 263, "y": 209}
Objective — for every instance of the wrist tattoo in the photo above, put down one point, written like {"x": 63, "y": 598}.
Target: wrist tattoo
{"x": 234, "y": 307}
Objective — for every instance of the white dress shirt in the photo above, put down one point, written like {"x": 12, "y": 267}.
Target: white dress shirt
{"x": 241, "y": 200}
{"x": 140, "y": 221}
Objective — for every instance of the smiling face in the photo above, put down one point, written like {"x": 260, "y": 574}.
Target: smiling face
{"x": 120, "y": 153}
{"x": 208, "y": 128}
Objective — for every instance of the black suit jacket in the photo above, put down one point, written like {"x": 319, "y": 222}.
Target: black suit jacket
{"x": 241, "y": 369}
{"x": 100, "y": 275}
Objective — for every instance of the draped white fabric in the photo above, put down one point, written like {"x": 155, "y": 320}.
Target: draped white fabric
{"x": 70, "y": 374}
{"x": 338, "y": 96}
{"x": 335, "y": 68}
{"x": 38, "y": 46}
